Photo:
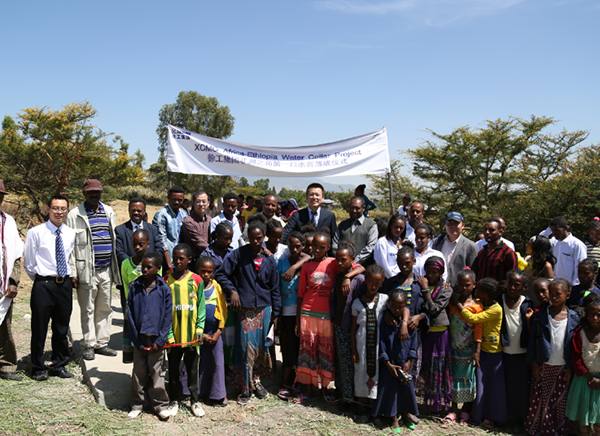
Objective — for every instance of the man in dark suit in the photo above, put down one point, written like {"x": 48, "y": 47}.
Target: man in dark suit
{"x": 458, "y": 251}
{"x": 137, "y": 210}
{"x": 314, "y": 213}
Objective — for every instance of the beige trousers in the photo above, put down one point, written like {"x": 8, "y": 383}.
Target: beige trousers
{"x": 96, "y": 311}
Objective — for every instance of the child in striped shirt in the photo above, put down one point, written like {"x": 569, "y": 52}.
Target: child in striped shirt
{"x": 189, "y": 313}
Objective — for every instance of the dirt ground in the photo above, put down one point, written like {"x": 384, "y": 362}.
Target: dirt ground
{"x": 67, "y": 407}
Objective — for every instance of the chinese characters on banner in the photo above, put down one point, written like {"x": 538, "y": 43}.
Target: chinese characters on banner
{"x": 191, "y": 153}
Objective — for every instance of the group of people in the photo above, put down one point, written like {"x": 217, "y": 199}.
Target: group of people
{"x": 398, "y": 319}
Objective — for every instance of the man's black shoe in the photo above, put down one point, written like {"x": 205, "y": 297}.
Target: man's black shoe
{"x": 11, "y": 376}
{"x": 106, "y": 351}
{"x": 40, "y": 376}
{"x": 60, "y": 372}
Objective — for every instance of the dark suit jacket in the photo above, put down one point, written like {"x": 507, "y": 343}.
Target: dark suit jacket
{"x": 465, "y": 254}
{"x": 124, "y": 247}
{"x": 301, "y": 218}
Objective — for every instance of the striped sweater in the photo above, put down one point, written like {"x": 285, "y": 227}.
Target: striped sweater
{"x": 189, "y": 311}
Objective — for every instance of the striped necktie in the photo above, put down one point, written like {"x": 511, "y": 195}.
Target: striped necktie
{"x": 61, "y": 263}
{"x": 313, "y": 217}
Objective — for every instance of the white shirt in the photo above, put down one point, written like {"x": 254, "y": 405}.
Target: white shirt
{"x": 568, "y": 252}
{"x": 514, "y": 327}
{"x": 40, "y": 249}
{"x": 448, "y": 249}
{"x": 558, "y": 330}
{"x": 401, "y": 211}
{"x": 482, "y": 243}
{"x": 410, "y": 233}
{"x": 135, "y": 226}
{"x": 386, "y": 256}
{"x": 419, "y": 268}
{"x": 310, "y": 215}
{"x": 237, "y": 241}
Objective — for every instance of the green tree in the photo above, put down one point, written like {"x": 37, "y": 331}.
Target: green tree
{"x": 379, "y": 186}
{"x": 485, "y": 171}
{"x": 262, "y": 185}
{"x": 53, "y": 152}
{"x": 200, "y": 114}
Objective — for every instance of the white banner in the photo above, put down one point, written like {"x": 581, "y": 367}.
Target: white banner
{"x": 191, "y": 153}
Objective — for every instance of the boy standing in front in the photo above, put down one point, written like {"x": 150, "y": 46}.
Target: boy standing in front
{"x": 150, "y": 318}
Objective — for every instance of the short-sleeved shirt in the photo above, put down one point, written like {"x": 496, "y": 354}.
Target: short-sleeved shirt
{"x": 288, "y": 290}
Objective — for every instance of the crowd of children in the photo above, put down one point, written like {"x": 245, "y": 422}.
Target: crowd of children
{"x": 386, "y": 335}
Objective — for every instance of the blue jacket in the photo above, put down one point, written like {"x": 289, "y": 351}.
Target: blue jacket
{"x": 414, "y": 301}
{"x": 357, "y": 288}
{"x": 149, "y": 314}
{"x": 540, "y": 345}
{"x": 524, "y": 340}
{"x": 256, "y": 288}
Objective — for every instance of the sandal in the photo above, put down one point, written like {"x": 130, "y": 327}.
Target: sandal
{"x": 331, "y": 399}
{"x": 301, "y": 399}
{"x": 449, "y": 418}
{"x": 397, "y": 430}
{"x": 487, "y": 424}
{"x": 284, "y": 394}
{"x": 464, "y": 417}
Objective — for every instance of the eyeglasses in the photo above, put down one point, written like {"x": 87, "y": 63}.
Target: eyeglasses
{"x": 59, "y": 209}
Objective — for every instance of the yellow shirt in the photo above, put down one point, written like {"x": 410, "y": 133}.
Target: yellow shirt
{"x": 491, "y": 317}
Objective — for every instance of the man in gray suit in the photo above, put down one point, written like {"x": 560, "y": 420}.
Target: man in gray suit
{"x": 458, "y": 251}
{"x": 358, "y": 229}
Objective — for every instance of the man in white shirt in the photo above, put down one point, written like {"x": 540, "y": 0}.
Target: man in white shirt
{"x": 568, "y": 250}
{"x": 482, "y": 242}
{"x": 10, "y": 274}
{"x": 416, "y": 213}
{"x": 230, "y": 204}
{"x": 458, "y": 250}
{"x": 48, "y": 262}
{"x": 404, "y": 209}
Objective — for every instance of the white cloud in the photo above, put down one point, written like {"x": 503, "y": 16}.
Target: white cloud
{"x": 423, "y": 12}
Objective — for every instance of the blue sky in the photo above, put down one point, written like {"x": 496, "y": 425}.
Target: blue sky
{"x": 308, "y": 72}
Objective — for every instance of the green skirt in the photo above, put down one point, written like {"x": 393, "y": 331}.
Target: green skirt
{"x": 464, "y": 388}
{"x": 583, "y": 403}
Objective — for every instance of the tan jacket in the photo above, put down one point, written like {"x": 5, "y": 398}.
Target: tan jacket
{"x": 82, "y": 261}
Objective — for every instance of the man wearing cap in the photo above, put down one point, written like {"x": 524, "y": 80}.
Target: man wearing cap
{"x": 49, "y": 263}
{"x": 96, "y": 269}
{"x": 458, "y": 250}
{"x": 10, "y": 272}
{"x": 403, "y": 210}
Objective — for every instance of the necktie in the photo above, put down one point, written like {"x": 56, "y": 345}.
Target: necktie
{"x": 354, "y": 225}
{"x": 313, "y": 218}
{"x": 61, "y": 263}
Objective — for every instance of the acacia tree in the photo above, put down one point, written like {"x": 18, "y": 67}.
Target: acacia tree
{"x": 53, "y": 152}
{"x": 198, "y": 113}
{"x": 401, "y": 185}
{"x": 481, "y": 172}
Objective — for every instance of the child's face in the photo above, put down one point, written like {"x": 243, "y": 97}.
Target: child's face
{"x": 406, "y": 262}
{"x": 206, "y": 270}
{"x": 140, "y": 244}
{"x": 224, "y": 239}
{"x": 483, "y": 297}
{"x": 295, "y": 246}
{"x": 594, "y": 235}
{"x": 586, "y": 275}
{"x": 540, "y": 289}
{"x": 255, "y": 239}
{"x": 396, "y": 306}
{"x": 344, "y": 260}
{"x": 180, "y": 260}
{"x": 320, "y": 246}
{"x": 593, "y": 316}
{"x": 308, "y": 247}
{"x": 514, "y": 287}
{"x": 433, "y": 275}
{"x": 373, "y": 282}
{"x": 558, "y": 295}
{"x": 421, "y": 239}
{"x": 275, "y": 236}
{"x": 466, "y": 285}
{"x": 397, "y": 228}
{"x": 149, "y": 269}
